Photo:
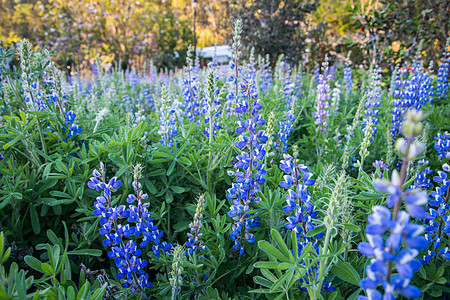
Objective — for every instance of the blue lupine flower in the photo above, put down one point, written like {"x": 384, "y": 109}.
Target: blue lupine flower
{"x": 442, "y": 145}
{"x": 373, "y": 101}
{"x": 389, "y": 253}
{"x": 285, "y": 126}
{"x": 297, "y": 180}
{"x": 190, "y": 92}
{"x": 265, "y": 76}
{"x": 381, "y": 164}
{"x": 437, "y": 217}
{"x": 300, "y": 210}
{"x": 69, "y": 120}
{"x": 393, "y": 260}
{"x": 126, "y": 254}
{"x": 422, "y": 182}
{"x": 316, "y": 73}
{"x": 322, "y": 105}
{"x": 348, "y": 80}
{"x": 250, "y": 171}
{"x": 443, "y": 75}
{"x": 412, "y": 92}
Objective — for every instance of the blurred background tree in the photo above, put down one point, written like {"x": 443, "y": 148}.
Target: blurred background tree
{"x": 274, "y": 27}
{"x": 132, "y": 32}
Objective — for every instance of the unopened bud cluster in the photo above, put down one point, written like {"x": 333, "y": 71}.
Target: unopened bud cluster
{"x": 366, "y": 141}
{"x": 411, "y": 128}
{"x": 194, "y": 235}
{"x": 177, "y": 268}
{"x": 270, "y": 131}
{"x": 337, "y": 201}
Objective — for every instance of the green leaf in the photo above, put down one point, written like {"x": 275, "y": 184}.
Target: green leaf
{"x": 434, "y": 292}
{"x": 267, "y": 264}
{"x": 441, "y": 280}
{"x": 5, "y": 200}
{"x": 440, "y": 271}
{"x": 169, "y": 197}
{"x": 33, "y": 263}
{"x": 283, "y": 279}
{"x": 272, "y": 251}
{"x": 177, "y": 189}
{"x": 60, "y": 194}
{"x": 117, "y": 159}
{"x": 316, "y": 231}
{"x": 171, "y": 168}
{"x": 47, "y": 269}
{"x": 150, "y": 187}
{"x": 11, "y": 143}
{"x": 185, "y": 161}
{"x": 352, "y": 227}
{"x": 281, "y": 244}
{"x": 355, "y": 295}
{"x": 262, "y": 281}
{"x": 346, "y": 272}
{"x": 5, "y": 255}
{"x": 89, "y": 252}
{"x": 35, "y": 224}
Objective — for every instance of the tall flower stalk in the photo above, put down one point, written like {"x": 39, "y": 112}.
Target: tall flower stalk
{"x": 122, "y": 238}
{"x": 393, "y": 266}
{"x": 250, "y": 168}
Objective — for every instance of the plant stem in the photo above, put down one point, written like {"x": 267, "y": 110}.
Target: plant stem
{"x": 397, "y": 205}
{"x": 323, "y": 262}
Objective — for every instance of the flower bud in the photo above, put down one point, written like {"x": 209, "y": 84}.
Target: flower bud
{"x": 418, "y": 129}
{"x": 415, "y": 150}
{"x": 408, "y": 128}
{"x": 401, "y": 146}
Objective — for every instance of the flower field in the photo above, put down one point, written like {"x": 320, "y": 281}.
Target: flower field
{"x": 244, "y": 181}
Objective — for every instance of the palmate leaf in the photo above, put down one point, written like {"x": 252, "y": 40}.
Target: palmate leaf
{"x": 282, "y": 259}
{"x": 346, "y": 272}
{"x": 282, "y": 245}
{"x": 272, "y": 251}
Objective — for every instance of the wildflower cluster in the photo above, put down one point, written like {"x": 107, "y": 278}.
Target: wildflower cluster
{"x": 265, "y": 76}
{"x": 121, "y": 238}
{"x": 322, "y": 105}
{"x": 348, "y": 79}
{"x": 296, "y": 181}
{"x": 190, "y": 92}
{"x": 442, "y": 145}
{"x": 381, "y": 164}
{"x": 250, "y": 168}
{"x": 437, "y": 217}
{"x": 443, "y": 72}
{"x": 300, "y": 210}
{"x": 285, "y": 126}
{"x": 412, "y": 92}
{"x": 373, "y": 101}
{"x": 388, "y": 256}
{"x": 167, "y": 121}
{"x": 421, "y": 180}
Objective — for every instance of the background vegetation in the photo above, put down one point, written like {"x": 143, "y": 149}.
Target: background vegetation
{"x": 376, "y": 31}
